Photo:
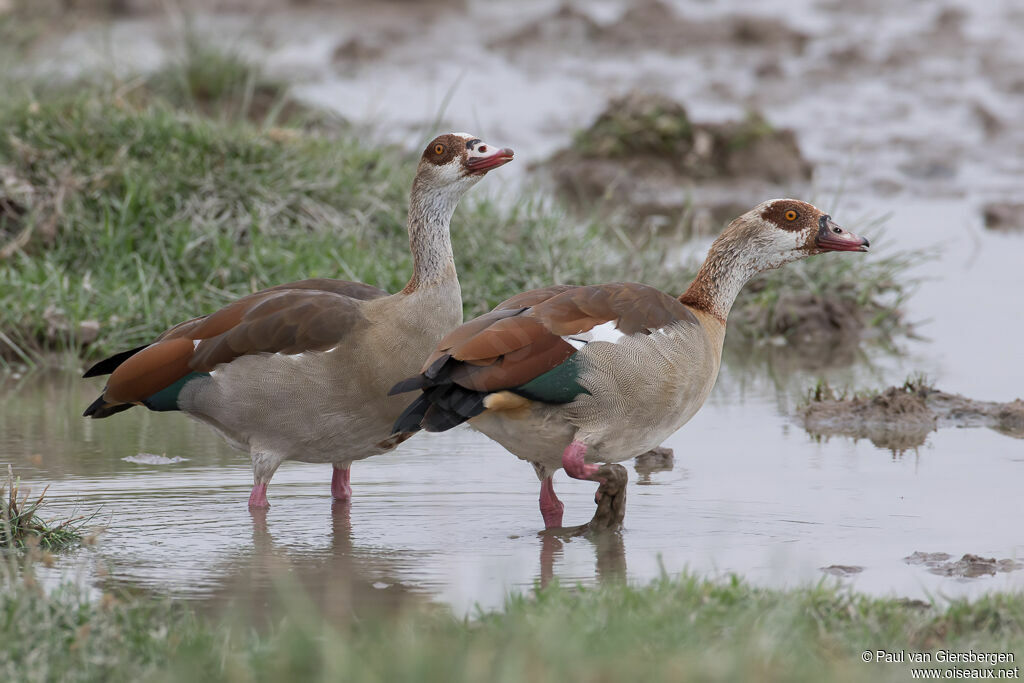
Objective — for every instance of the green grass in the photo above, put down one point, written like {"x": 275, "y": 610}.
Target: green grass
{"x": 22, "y": 527}
{"x": 638, "y": 124}
{"x": 678, "y": 629}
{"x": 223, "y": 84}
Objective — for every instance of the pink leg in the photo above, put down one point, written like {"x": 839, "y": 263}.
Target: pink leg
{"x": 340, "y": 487}
{"x": 573, "y": 463}
{"x": 258, "y": 497}
{"x": 550, "y": 507}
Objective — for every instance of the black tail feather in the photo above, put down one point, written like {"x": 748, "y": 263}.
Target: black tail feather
{"x": 409, "y": 421}
{"x": 435, "y": 368}
{"x": 450, "y": 406}
{"x": 100, "y": 408}
{"x": 440, "y": 408}
{"x": 411, "y": 384}
{"x": 454, "y": 399}
{"x": 422, "y": 381}
{"x": 437, "y": 419}
{"x": 108, "y": 365}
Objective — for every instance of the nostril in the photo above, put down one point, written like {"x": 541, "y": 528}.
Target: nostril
{"x": 482, "y": 148}
{"x": 837, "y": 230}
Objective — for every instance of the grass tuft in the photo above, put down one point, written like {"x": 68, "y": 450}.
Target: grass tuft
{"x": 21, "y": 526}
{"x": 916, "y": 384}
{"x": 222, "y": 84}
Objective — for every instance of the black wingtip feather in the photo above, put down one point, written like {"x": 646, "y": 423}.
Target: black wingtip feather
{"x": 409, "y": 421}
{"x": 438, "y": 409}
{"x": 437, "y": 419}
{"x": 425, "y": 380}
{"x": 450, "y": 406}
{"x": 100, "y": 408}
{"x": 411, "y": 384}
{"x": 435, "y": 368}
{"x": 108, "y": 365}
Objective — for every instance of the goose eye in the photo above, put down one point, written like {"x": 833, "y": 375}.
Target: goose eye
{"x": 438, "y": 149}
{"x": 791, "y": 215}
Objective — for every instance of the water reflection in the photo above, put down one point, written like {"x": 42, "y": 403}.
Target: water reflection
{"x": 342, "y": 580}
{"x": 609, "y": 555}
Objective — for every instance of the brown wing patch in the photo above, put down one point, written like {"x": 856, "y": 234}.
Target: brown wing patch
{"x": 512, "y": 344}
{"x": 312, "y": 315}
{"x": 284, "y": 322}
{"x": 533, "y": 297}
{"x": 539, "y": 354}
{"x": 149, "y": 371}
{"x": 230, "y": 315}
{"x": 634, "y": 307}
{"x": 356, "y": 290}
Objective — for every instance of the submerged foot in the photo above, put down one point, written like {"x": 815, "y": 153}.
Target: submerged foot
{"x": 341, "y": 488}
{"x": 611, "y": 499}
{"x": 611, "y": 503}
{"x": 550, "y": 507}
{"x": 258, "y": 497}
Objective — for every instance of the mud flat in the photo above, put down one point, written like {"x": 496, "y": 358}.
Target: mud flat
{"x": 901, "y": 417}
{"x": 645, "y": 155}
{"x": 654, "y": 26}
{"x": 658, "y": 459}
{"x": 967, "y": 567}
{"x": 1004, "y": 216}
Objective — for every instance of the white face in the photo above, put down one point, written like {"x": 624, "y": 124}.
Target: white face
{"x": 460, "y": 160}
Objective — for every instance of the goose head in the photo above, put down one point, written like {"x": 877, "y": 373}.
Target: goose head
{"x": 780, "y": 231}
{"x": 457, "y": 161}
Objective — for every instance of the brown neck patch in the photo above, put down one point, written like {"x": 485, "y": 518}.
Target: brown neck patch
{"x": 699, "y": 299}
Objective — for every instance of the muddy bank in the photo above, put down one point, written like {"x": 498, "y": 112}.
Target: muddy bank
{"x": 643, "y": 154}
{"x": 828, "y": 328}
{"x": 1004, "y": 216}
{"x": 901, "y": 417}
{"x": 651, "y": 25}
{"x": 967, "y": 567}
{"x": 658, "y": 459}
{"x": 842, "y": 570}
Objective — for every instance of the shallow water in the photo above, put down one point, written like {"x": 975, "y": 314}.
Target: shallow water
{"x": 453, "y": 517}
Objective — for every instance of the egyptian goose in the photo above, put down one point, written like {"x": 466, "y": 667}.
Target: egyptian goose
{"x": 566, "y": 376}
{"x": 301, "y": 371}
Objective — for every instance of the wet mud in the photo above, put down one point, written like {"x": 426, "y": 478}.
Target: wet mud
{"x": 643, "y": 154}
{"x": 842, "y": 570}
{"x": 651, "y": 25}
{"x": 658, "y": 459}
{"x": 901, "y": 417}
{"x": 1004, "y": 216}
{"x": 826, "y": 330}
{"x": 967, "y": 567}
